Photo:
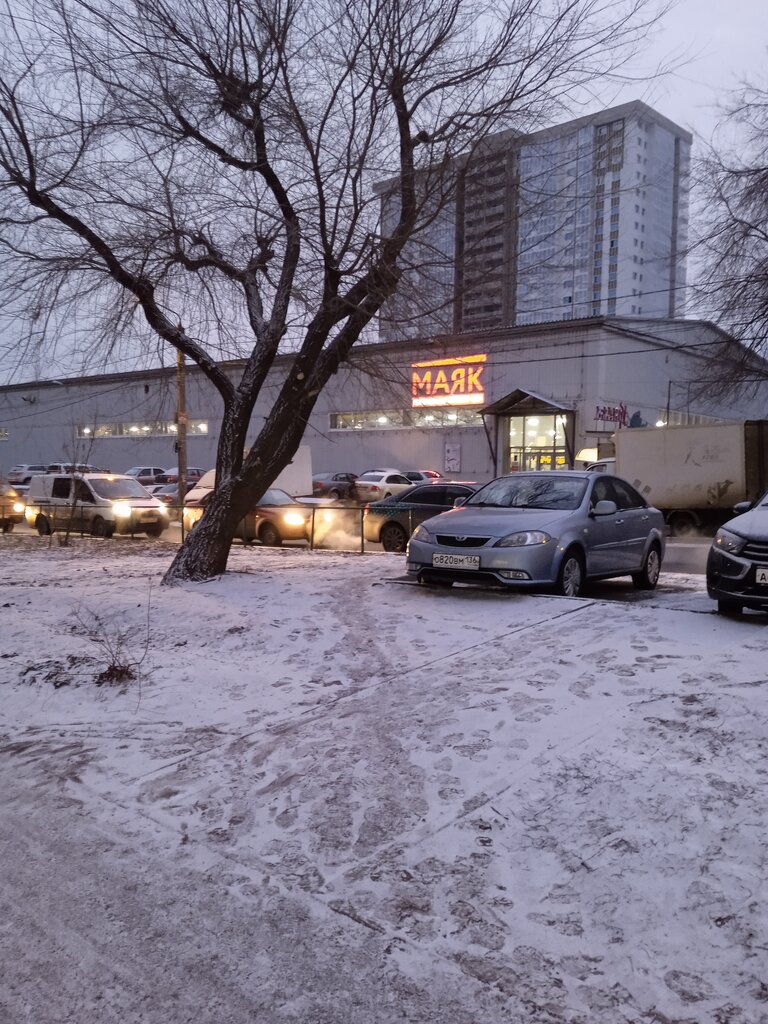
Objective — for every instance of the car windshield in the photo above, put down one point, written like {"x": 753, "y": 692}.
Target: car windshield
{"x": 274, "y": 496}
{"x": 546, "y": 491}
{"x": 115, "y": 488}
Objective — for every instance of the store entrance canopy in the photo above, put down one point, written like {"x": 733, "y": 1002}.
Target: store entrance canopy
{"x": 520, "y": 402}
{"x": 524, "y": 403}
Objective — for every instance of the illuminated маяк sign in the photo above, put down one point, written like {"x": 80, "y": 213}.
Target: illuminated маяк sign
{"x": 448, "y": 382}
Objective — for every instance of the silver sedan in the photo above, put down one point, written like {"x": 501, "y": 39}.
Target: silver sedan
{"x": 543, "y": 530}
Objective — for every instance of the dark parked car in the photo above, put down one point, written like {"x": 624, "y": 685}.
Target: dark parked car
{"x": 545, "y": 530}
{"x": 392, "y": 521}
{"x": 169, "y": 493}
{"x": 333, "y": 485}
{"x": 170, "y": 476}
{"x": 737, "y": 566}
{"x": 422, "y": 476}
{"x": 12, "y": 507}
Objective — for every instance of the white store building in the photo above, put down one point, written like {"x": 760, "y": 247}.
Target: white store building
{"x": 472, "y": 405}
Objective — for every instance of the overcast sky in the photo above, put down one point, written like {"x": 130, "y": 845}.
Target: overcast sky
{"x": 719, "y": 43}
{"x": 714, "y": 44}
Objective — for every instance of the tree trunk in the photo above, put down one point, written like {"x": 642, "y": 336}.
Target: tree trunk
{"x": 239, "y": 486}
{"x": 205, "y": 550}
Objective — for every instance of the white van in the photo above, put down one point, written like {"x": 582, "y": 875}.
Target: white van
{"x": 97, "y": 503}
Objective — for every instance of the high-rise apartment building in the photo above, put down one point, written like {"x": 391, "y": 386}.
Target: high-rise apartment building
{"x": 588, "y": 218}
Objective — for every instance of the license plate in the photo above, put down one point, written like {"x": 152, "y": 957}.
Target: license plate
{"x": 443, "y": 561}
{"x": 761, "y": 574}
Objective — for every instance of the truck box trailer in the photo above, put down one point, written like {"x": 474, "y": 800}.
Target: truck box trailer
{"x": 695, "y": 474}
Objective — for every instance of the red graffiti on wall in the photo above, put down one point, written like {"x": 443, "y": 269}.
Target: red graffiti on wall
{"x": 612, "y": 414}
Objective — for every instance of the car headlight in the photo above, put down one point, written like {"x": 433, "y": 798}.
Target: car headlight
{"x": 18, "y": 506}
{"x": 727, "y": 541}
{"x": 121, "y": 509}
{"x": 522, "y": 539}
{"x": 163, "y": 510}
{"x": 294, "y": 519}
{"x": 422, "y": 533}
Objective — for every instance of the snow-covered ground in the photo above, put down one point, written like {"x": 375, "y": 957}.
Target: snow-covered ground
{"x": 330, "y": 798}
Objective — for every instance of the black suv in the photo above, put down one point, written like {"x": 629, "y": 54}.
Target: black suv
{"x": 737, "y": 567}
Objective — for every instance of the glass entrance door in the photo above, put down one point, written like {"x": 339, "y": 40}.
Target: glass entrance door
{"x": 537, "y": 442}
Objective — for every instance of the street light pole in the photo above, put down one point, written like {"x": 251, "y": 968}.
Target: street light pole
{"x": 181, "y": 430}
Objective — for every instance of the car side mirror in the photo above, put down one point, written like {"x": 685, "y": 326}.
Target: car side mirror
{"x": 741, "y": 507}
{"x": 604, "y": 508}
{"x": 458, "y": 501}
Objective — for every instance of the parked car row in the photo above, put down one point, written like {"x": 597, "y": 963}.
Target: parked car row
{"x": 21, "y": 474}
{"x": 371, "y": 485}
{"x": 531, "y": 530}
{"x": 153, "y": 475}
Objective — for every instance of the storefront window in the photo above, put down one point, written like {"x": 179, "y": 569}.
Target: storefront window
{"x": 393, "y": 419}
{"x": 537, "y": 442}
{"x": 139, "y": 429}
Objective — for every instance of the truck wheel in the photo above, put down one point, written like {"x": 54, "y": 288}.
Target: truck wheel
{"x": 8, "y": 527}
{"x": 570, "y": 579}
{"x": 393, "y": 537}
{"x": 155, "y": 531}
{"x": 648, "y": 576}
{"x": 682, "y": 524}
{"x": 43, "y": 526}
{"x": 269, "y": 536}
{"x": 732, "y": 609}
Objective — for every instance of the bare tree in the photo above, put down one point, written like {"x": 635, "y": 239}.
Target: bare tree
{"x": 203, "y": 172}
{"x": 733, "y": 286}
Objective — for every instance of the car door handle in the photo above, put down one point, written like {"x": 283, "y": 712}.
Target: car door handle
{"x": 619, "y": 522}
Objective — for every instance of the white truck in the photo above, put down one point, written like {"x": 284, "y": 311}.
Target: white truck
{"x": 296, "y": 478}
{"x": 694, "y": 474}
